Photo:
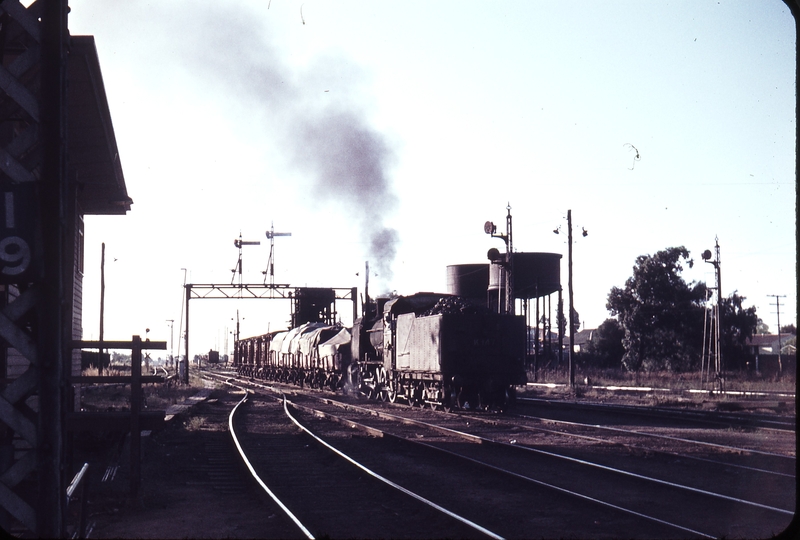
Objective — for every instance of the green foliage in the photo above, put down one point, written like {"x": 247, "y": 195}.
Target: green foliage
{"x": 738, "y": 325}
{"x": 120, "y": 358}
{"x": 660, "y": 314}
{"x": 562, "y": 320}
{"x": 606, "y": 348}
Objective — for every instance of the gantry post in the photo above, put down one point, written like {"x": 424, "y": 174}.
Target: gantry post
{"x": 186, "y": 343}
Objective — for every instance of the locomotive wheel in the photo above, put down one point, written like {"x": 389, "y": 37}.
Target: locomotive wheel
{"x": 391, "y": 392}
{"x": 380, "y": 384}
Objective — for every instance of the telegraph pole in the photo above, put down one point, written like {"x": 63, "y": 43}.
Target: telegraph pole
{"x": 102, "y": 302}
{"x": 571, "y": 307}
{"x": 171, "y": 335}
{"x": 777, "y": 304}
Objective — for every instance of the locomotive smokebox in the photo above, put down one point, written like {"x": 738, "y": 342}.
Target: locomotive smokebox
{"x": 468, "y": 281}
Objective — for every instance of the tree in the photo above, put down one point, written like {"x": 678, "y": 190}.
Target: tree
{"x": 789, "y": 329}
{"x": 738, "y": 325}
{"x": 661, "y": 315}
{"x": 607, "y": 346}
{"x": 563, "y": 324}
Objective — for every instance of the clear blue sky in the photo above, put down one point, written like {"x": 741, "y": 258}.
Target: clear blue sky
{"x": 351, "y": 122}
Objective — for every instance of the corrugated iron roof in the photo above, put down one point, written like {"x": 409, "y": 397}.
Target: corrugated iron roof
{"x": 93, "y": 155}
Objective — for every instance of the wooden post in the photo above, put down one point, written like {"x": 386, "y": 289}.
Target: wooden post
{"x": 51, "y": 326}
{"x": 560, "y": 329}
{"x": 102, "y": 300}
{"x": 354, "y": 298}
{"x": 536, "y": 333}
{"x": 571, "y": 308}
{"x": 136, "y": 405}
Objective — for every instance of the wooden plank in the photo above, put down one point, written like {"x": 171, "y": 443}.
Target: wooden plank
{"x": 17, "y": 507}
{"x": 127, "y": 379}
{"x": 113, "y": 420}
{"x": 19, "y": 470}
{"x": 15, "y": 419}
{"x": 22, "y": 386}
{"x": 149, "y": 345}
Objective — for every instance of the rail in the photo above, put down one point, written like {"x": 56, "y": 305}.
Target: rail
{"x": 77, "y": 481}
{"x": 252, "y": 470}
{"x": 388, "y": 482}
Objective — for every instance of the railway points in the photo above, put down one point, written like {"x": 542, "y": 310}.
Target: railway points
{"x": 600, "y": 472}
{"x": 775, "y": 508}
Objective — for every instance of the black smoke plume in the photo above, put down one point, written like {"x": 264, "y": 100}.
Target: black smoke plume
{"x": 326, "y": 134}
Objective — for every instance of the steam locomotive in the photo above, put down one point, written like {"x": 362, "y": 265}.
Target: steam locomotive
{"x": 426, "y": 349}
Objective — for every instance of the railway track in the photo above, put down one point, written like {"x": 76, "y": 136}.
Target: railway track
{"x": 327, "y": 492}
{"x": 542, "y": 484}
{"x": 666, "y": 415}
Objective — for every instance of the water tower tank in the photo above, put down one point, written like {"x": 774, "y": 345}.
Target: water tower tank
{"x": 468, "y": 281}
{"x": 536, "y": 274}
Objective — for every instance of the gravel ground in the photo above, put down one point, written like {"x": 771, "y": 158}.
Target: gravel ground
{"x": 191, "y": 485}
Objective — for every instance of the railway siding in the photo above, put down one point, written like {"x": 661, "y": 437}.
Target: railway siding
{"x": 330, "y": 496}
{"x": 726, "y": 498}
{"x": 728, "y": 503}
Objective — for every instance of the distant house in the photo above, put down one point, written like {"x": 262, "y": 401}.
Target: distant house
{"x": 582, "y": 339}
{"x": 764, "y": 351}
{"x": 761, "y": 344}
{"x": 548, "y": 341}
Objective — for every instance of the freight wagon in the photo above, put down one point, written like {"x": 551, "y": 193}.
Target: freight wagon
{"x": 424, "y": 349}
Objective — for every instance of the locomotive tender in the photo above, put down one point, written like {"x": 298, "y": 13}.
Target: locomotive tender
{"x": 424, "y": 349}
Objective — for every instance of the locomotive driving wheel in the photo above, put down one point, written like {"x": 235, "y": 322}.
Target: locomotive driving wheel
{"x": 381, "y": 384}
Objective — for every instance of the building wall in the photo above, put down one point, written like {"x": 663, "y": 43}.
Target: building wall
{"x": 15, "y": 363}
{"x": 77, "y": 302}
